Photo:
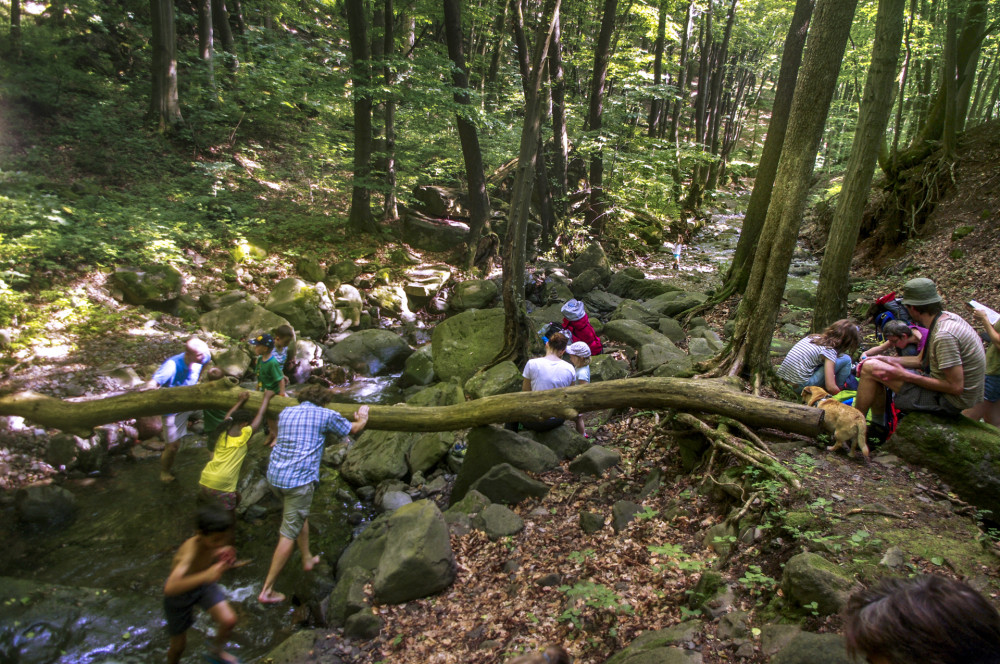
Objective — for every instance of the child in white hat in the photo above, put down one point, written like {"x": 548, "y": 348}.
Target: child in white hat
{"x": 578, "y": 354}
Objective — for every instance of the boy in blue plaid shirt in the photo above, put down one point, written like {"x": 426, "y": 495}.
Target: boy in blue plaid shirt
{"x": 293, "y": 473}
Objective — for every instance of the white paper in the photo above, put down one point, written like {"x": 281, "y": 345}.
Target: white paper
{"x": 991, "y": 316}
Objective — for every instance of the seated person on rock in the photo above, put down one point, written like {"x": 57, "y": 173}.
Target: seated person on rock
{"x": 988, "y": 409}
{"x": 577, "y": 322}
{"x": 822, "y": 359}
{"x": 900, "y": 339}
{"x": 547, "y": 373}
{"x": 946, "y": 378}
{"x": 929, "y": 619}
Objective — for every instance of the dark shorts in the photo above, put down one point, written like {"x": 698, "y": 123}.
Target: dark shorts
{"x": 912, "y": 398}
{"x": 180, "y": 608}
{"x": 227, "y": 500}
{"x": 991, "y": 388}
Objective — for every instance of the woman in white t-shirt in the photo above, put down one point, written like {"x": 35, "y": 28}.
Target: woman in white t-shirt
{"x": 548, "y": 373}
{"x": 822, "y": 359}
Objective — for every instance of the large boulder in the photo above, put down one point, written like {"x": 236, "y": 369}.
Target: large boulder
{"x": 500, "y": 379}
{"x": 307, "y": 307}
{"x": 344, "y": 271}
{"x": 600, "y": 303}
{"x": 681, "y": 366}
{"x": 419, "y": 368}
{"x": 632, "y": 310}
{"x": 633, "y": 284}
{"x": 507, "y": 485}
{"x": 431, "y": 234}
{"x": 634, "y": 333}
{"x": 491, "y": 446}
{"x": 377, "y": 456}
{"x": 651, "y": 356}
{"x": 473, "y": 294}
{"x": 606, "y": 367}
{"x": 420, "y": 561}
{"x": 370, "y": 352}
{"x": 154, "y": 285}
{"x": 593, "y": 257}
{"x": 241, "y": 320}
{"x": 233, "y": 362}
{"x": 564, "y": 441}
{"x": 498, "y": 521}
{"x": 963, "y": 453}
{"x": 809, "y": 578}
{"x": 428, "y": 450}
{"x": 440, "y": 394}
{"x": 809, "y": 648}
{"x": 800, "y": 297}
{"x": 45, "y": 506}
{"x": 393, "y": 300}
{"x": 589, "y": 280}
{"x": 674, "y": 303}
{"x": 662, "y": 646}
{"x": 595, "y": 461}
{"x": 366, "y": 549}
{"x": 464, "y": 343}
{"x": 423, "y": 283}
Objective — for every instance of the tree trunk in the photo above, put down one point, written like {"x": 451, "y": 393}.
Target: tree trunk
{"x": 560, "y": 160}
{"x": 876, "y": 105}
{"x": 80, "y": 417}
{"x": 205, "y": 39}
{"x": 681, "y": 78}
{"x": 389, "y": 210}
{"x": 15, "y": 28}
{"x": 361, "y": 216}
{"x": 903, "y": 76}
{"x": 715, "y": 120}
{"x": 515, "y": 322}
{"x": 758, "y": 310}
{"x": 220, "y": 23}
{"x": 237, "y": 14}
{"x": 479, "y": 201}
{"x": 164, "y": 106}
{"x": 760, "y": 197}
{"x": 657, "y": 103}
{"x": 949, "y": 78}
{"x": 498, "y": 40}
{"x": 596, "y": 216}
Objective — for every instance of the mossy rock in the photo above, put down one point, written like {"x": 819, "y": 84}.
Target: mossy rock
{"x": 960, "y": 232}
{"x": 464, "y": 343}
{"x": 153, "y": 284}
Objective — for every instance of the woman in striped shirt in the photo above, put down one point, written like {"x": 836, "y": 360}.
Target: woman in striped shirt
{"x": 822, "y": 359}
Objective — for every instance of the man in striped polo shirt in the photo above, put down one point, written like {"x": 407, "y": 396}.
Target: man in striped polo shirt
{"x": 945, "y": 378}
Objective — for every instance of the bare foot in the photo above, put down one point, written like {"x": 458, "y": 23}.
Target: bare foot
{"x": 270, "y": 597}
{"x": 309, "y": 563}
{"x": 166, "y": 478}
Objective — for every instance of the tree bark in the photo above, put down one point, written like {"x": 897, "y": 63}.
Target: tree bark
{"x": 876, "y": 105}
{"x": 237, "y": 14}
{"x": 389, "y": 209}
{"x": 361, "y": 218}
{"x": 220, "y": 24}
{"x": 479, "y": 201}
{"x": 15, "y": 28}
{"x": 681, "y": 77}
{"x": 760, "y": 197}
{"x": 715, "y": 119}
{"x": 164, "y": 105}
{"x": 903, "y": 76}
{"x": 657, "y": 103}
{"x": 560, "y": 160}
{"x": 758, "y": 310}
{"x": 205, "y": 39}
{"x": 79, "y": 417}
{"x": 596, "y": 216}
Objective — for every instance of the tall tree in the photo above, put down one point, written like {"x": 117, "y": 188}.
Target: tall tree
{"x": 220, "y": 24}
{"x": 205, "y": 39}
{"x": 876, "y": 106}
{"x": 715, "y": 110}
{"x": 516, "y": 329}
{"x": 560, "y": 160}
{"x": 657, "y": 103}
{"x": 164, "y": 105}
{"x": 15, "y": 28}
{"x": 749, "y": 350}
{"x": 361, "y": 218}
{"x": 479, "y": 201}
{"x": 597, "y": 209}
{"x": 389, "y": 210}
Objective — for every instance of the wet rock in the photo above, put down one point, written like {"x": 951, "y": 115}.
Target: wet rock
{"x": 45, "y": 506}
{"x": 153, "y": 285}
{"x": 464, "y": 343}
{"x": 503, "y": 378}
{"x": 591, "y": 523}
{"x": 595, "y": 461}
{"x": 370, "y": 352}
{"x": 473, "y": 294}
{"x": 564, "y": 441}
{"x": 593, "y": 257}
{"x": 492, "y": 446}
{"x": 241, "y": 320}
{"x": 498, "y": 521}
{"x": 418, "y": 368}
{"x": 808, "y": 648}
{"x": 809, "y": 578}
{"x": 363, "y": 625}
{"x": 507, "y": 485}
{"x": 420, "y": 562}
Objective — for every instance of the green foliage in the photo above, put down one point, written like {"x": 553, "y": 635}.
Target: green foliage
{"x": 580, "y": 557}
{"x": 755, "y": 581}
{"x": 595, "y": 596}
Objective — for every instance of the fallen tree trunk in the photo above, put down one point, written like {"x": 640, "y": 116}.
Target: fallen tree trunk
{"x": 682, "y": 394}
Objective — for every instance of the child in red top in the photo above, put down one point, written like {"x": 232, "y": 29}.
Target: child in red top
{"x": 577, "y": 322}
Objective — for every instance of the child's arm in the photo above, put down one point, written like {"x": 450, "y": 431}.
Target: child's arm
{"x": 282, "y": 385}
{"x": 180, "y": 582}
{"x": 262, "y": 411}
{"x": 242, "y": 399}
{"x": 877, "y": 350}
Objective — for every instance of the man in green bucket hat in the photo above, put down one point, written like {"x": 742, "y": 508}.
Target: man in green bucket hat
{"x": 945, "y": 378}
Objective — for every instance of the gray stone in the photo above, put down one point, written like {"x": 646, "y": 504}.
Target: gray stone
{"x": 632, "y": 310}
{"x": 588, "y": 280}
{"x": 296, "y": 648}
{"x": 733, "y": 625}
{"x": 393, "y": 500}
{"x": 84, "y": 454}
{"x": 893, "y": 558}
{"x": 420, "y": 562}
{"x": 676, "y": 367}
{"x": 419, "y": 368}
{"x": 45, "y": 506}
{"x": 152, "y": 285}
{"x": 698, "y": 347}
{"x": 492, "y": 446}
{"x": 564, "y": 441}
{"x": 671, "y": 329}
{"x": 348, "y": 596}
{"x": 626, "y": 285}
{"x": 634, "y": 333}
{"x": 622, "y": 514}
{"x": 473, "y": 503}
{"x": 366, "y": 549}
{"x": 606, "y": 367}
{"x": 423, "y": 283}
{"x": 310, "y": 269}
{"x": 363, "y": 625}
{"x": 392, "y": 300}
{"x": 464, "y": 343}
{"x": 809, "y": 578}
{"x": 507, "y": 485}
{"x": 708, "y": 334}
{"x": 652, "y": 485}
{"x": 774, "y": 637}
{"x": 963, "y": 453}
{"x": 378, "y": 455}
{"x": 433, "y": 234}
{"x": 595, "y": 461}
{"x": 593, "y": 257}
{"x": 800, "y": 297}
{"x": 233, "y": 362}
{"x": 591, "y": 523}
{"x": 240, "y": 320}
{"x": 344, "y": 271}
{"x": 721, "y": 538}
{"x": 600, "y": 303}
{"x": 428, "y": 449}
{"x": 808, "y": 648}
{"x": 661, "y": 647}
{"x": 498, "y": 521}
{"x": 651, "y": 356}
{"x": 307, "y": 308}
{"x": 440, "y": 394}
{"x": 370, "y": 352}
{"x": 473, "y": 294}
{"x": 503, "y": 378}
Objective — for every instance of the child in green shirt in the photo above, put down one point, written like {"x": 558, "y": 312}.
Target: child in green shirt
{"x": 270, "y": 376}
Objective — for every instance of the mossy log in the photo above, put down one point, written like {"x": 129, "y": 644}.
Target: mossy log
{"x": 680, "y": 394}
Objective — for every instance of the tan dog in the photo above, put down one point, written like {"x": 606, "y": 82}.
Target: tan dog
{"x": 553, "y": 654}
{"x": 843, "y": 421}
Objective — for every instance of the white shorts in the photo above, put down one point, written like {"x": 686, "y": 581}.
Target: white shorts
{"x": 175, "y": 426}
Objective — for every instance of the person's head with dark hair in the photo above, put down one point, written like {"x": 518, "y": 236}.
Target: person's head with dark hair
{"x": 213, "y": 519}
{"x": 929, "y": 619}
{"x": 843, "y": 336}
{"x": 931, "y": 309}
{"x": 557, "y": 343}
{"x": 315, "y": 394}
